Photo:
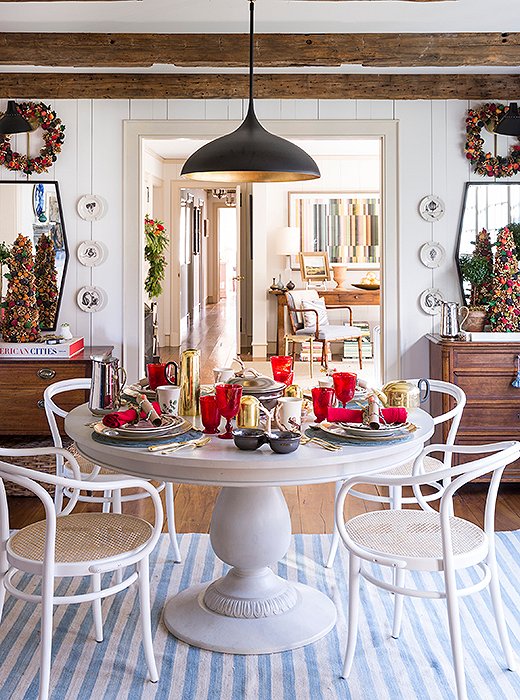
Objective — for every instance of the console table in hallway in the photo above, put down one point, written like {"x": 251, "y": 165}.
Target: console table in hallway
{"x": 333, "y": 298}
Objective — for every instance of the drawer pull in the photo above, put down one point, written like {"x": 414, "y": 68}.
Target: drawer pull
{"x": 46, "y": 373}
{"x": 41, "y": 403}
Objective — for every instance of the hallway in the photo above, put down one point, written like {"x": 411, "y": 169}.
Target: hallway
{"x": 214, "y": 334}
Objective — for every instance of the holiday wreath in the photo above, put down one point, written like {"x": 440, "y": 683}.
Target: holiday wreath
{"x": 38, "y": 115}
{"x": 486, "y": 163}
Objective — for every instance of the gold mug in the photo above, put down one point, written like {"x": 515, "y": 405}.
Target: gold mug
{"x": 249, "y": 412}
{"x": 293, "y": 390}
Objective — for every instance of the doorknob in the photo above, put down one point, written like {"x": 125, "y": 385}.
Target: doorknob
{"x": 239, "y": 278}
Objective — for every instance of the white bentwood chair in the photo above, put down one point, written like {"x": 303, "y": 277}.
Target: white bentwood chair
{"x": 431, "y": 464}
{"x": 427, "y": 540}
{"x": 110, "y": 499}
{"x": 76, "y": 544}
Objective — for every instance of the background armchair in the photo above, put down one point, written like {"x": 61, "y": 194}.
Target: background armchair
{"x": 303, "y": 301}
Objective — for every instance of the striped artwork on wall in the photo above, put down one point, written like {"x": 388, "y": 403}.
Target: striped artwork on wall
{"x": 346, "y": 225}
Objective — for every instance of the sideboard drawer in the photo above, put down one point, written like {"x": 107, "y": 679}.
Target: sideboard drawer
{"x": 511, "y": 472}
{"x": 23, "y": 411}
{"x": 490, "y": 418}
{"x": 39, "y": 375}
{"x": 487, "y": 386}
{"x": 505, "y": 360}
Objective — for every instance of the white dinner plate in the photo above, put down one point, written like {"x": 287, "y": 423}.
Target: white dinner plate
{"x": 176, "y": 426}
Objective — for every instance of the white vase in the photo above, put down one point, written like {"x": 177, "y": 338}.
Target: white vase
{"x": 65, "y": 331}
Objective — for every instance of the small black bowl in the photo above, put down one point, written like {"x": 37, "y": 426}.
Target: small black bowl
{"x": 284, "y": 441}
{"x": 249, "y": 438}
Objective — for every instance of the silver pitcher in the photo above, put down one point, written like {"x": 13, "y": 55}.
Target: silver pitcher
{"x": 108, "y": 380}
{"x": 451, "y": 322}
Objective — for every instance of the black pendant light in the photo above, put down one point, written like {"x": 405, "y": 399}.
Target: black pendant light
{"x": 509, "y": 125}
{"x": 12, "y": 122}
{"x": 251, "y": 153}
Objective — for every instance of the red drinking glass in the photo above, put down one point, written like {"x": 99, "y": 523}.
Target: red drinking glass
{"x": 282, "y": 366}
{"x": 209, "y": 414}
{"x": 344, "y": 386}
{"x": 228, "y": 402}
{"x": 322, "y": 398}
{"x": 161, "y": 373}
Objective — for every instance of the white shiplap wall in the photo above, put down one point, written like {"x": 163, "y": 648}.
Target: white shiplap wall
{"x": 431, "y": 137}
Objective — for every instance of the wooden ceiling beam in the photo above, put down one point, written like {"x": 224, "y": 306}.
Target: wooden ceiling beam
{"x": 271, "y": 50}
{"x": 278, "y": 86}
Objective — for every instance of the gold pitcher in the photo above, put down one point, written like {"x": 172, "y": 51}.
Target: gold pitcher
{"x": 189, "y": 404}
{"x": 249, "y": 412}
{"x": 406, "y": 394}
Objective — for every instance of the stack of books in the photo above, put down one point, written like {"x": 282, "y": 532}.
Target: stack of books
{"x": 350, "y": 347}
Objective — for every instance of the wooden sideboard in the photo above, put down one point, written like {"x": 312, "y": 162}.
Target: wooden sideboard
{"x": 22, "y": 383}
{"x": 333, "y": 298}
{"x": 485, "y": 372}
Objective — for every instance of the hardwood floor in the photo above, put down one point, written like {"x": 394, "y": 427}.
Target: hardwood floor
{"x": 311, "y": 507}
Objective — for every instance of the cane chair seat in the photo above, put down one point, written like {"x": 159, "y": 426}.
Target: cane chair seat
{"x": 85, "y": 465}
{"x": 414, "y": 534}
{"x": 83, "y": 537}
{"x": 430, "y": 464}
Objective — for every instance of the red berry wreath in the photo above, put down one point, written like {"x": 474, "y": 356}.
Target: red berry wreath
{"x": 486, "y": 163}
{"x": 38, "y": 115}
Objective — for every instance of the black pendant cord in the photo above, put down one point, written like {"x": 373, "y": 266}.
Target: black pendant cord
{"x": 251, "y": 49}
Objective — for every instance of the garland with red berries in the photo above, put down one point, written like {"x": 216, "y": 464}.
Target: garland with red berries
{"x": 38, "y": 115}
{"x": 487, "y": 164}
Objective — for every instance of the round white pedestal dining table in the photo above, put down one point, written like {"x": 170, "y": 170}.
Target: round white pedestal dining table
{"x": 250, "y": 610}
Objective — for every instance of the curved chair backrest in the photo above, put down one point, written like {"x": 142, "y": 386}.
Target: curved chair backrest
{"x": 294, "y": 302}
{"x": 52, "y": 409}
{"x": 454, "y": 414}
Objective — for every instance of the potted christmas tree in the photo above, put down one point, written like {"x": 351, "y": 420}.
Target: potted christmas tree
{"x": 504, "y": 308}
{"x": 20, "y": 323}
{"x": 46, "y": 282}
{"x": 477, "y": 269}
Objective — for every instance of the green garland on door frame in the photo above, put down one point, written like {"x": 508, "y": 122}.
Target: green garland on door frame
{"x": 156, "y": 242}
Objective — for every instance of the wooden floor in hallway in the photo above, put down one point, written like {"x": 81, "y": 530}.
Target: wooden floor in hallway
{"x": 311, "y": 507}
{"x": 214, "y": 334}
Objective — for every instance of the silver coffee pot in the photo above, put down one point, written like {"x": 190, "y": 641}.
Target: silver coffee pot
{"x": 108, "y": 380}
{"x": 451, "y": 322}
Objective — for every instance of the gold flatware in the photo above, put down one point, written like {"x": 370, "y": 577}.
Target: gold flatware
{"x": 193, "y": 443}
{"x": 321, "y": 443}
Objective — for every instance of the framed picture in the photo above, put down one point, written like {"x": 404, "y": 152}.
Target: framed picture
{"x": 346, "y": 225}
{"x": 314, "y": 266}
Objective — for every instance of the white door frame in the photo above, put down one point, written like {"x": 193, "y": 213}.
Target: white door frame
{"x": 134, "y": 134}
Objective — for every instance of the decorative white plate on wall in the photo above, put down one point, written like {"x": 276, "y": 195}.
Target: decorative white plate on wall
{"x": 432, "y": 254}
{"x": 91, "y": 253}
{"x": 429, "y": 301}
{"x": 92, "y": 207}
{"x": 91, "y": 299}
{"x": 431, "y": 208}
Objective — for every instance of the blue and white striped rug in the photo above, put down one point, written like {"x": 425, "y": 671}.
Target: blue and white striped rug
{"x": 415, "y": 667}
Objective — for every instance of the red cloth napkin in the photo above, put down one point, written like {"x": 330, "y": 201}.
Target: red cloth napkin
{"x": 349, "y": 415}
{"x": 116, "y": 420}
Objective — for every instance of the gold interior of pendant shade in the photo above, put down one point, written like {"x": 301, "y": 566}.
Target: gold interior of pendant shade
{"x": 249, "y": 176}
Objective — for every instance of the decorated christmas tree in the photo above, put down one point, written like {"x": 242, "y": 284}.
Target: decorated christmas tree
{"x": 504, "y": 313}
{"x": 483, "y": 251}
{"x": 46, "y": 282}
{"x": 20, "y": 322}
